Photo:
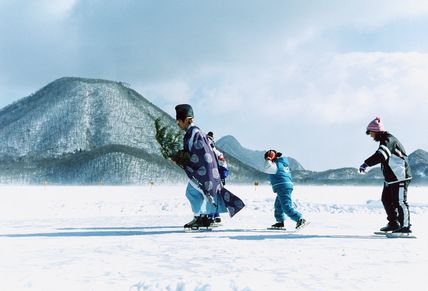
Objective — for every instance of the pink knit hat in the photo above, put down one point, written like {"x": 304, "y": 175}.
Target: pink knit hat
{"x": 375, "y": 125}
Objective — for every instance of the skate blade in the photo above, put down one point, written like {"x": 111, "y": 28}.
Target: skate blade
{"x": 400, "y": 235}
{"x": 200, "y": 229}
{"x": 276, "y": 228}
{"x": 382, "y": 232}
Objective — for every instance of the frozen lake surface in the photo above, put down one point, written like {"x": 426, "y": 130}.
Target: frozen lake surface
{"x": 131, "y": 238}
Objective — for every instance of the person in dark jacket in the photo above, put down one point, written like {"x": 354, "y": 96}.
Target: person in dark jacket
{"x": 278, "y": 169}
{"x": 395, "y": 168}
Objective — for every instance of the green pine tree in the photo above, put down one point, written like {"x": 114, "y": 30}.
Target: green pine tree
{"x": 170, "y": 142}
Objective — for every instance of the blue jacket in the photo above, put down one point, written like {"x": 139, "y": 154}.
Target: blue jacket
{"x": 282, "y": 177}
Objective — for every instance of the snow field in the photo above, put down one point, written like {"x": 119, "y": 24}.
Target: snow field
{"x": 131, "y": 238}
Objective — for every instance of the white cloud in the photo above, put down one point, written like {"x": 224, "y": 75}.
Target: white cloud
{"x": 167, "y": 93}
{"x": 364, "y": 14}
{"x": 340, "y": 88}
{"x": 57, "y": 8}
{"x": 274, "y": 64}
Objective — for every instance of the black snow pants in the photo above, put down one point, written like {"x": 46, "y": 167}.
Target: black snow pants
{"x": 394, "y": 199}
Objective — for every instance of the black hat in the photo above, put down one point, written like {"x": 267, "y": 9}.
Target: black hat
{"x": 210, "y": 136}
{"x": 183, "y": 111}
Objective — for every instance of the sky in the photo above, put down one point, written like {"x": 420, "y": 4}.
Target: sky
{"x": 302, "y": 77}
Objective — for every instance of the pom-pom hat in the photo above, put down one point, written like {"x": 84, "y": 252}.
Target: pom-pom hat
{"x": 375, "y": 126}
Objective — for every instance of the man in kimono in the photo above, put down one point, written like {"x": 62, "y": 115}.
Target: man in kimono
{"x": 204, "y": 191}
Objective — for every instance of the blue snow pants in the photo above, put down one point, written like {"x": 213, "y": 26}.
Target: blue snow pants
{"x": 284, "y": 205}
{"x": 200, "y": 205}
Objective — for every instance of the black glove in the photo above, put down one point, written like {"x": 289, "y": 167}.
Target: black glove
{"x": 363, "y": 168}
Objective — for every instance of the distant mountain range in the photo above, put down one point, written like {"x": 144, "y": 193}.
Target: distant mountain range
{"x": 418, "y": 161}
{"x": 230, "y": 145}
{"x": 88, "y": 131}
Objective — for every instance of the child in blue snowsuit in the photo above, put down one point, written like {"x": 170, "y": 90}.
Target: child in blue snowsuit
{"x": 280, "y": 177}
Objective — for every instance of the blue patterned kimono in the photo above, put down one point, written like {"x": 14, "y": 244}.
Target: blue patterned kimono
{"x": 202, "y": 169}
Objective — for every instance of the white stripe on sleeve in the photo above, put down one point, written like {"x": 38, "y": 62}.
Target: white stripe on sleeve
{"x": 386, "y": 149}
{"x": 385, "y": 156}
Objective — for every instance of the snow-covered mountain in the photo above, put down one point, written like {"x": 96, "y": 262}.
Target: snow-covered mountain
{"x": 87, "y": 131}
{"x": 78, "y": 130}
{"x": 418, "y": 162}
{"x": 74, "y": 114}
{"x": 253, "y": 158}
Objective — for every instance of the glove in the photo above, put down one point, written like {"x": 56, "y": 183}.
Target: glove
{"x": 363, "y": 168}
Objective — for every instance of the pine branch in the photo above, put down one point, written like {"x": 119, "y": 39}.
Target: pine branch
{"x": 170, "y": 143}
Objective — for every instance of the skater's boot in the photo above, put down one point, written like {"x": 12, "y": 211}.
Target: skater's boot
{"x": 301, "y": 223}
{"x": 402, "y": 230}
{"x": 213, "y": 219}
{"x": 192, "y": 223}
{"x": 278, "y": 225}
{"x": 198, "y": 222}
{"x": 390, "y": 227}
{"x": 205, "y": 221}
{"x": 216, "y": 218}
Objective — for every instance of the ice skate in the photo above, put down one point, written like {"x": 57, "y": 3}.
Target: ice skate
{"x": 277, "y": 226}
{"x": 301, "y": 223}
{"x": 403, "y": 232}
{"x": 216, "y": 222}
{"x": 201, "y": 222}
{"x": 389, "y": 228}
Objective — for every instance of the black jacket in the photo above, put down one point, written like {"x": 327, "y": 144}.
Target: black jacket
{"x": 392, "y": 157}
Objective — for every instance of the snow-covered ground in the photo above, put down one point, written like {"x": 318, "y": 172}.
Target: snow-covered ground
{"x": 131, "y": 238}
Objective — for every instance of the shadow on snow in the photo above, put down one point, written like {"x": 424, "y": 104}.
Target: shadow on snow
{"x": 303, "y": 236}
{"x": 160, "y": 230}
{"x": 102, "y": 232}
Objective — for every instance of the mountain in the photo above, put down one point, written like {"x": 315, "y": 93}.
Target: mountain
{"x": 418, "y": 157}
{"x": 418, "y": 161}
{"x": 341, "y": 176}
{"x": 253, "y": 158}
{"x": 87, "y": 131}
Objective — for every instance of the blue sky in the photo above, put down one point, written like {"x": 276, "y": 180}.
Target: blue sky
{"x": 303, "y": 77}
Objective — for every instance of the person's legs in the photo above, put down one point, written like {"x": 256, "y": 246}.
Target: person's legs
{"x": 284, "y": 195}
{"x": 195, "y": 198}
{"x": 278, "y": 213}
{"x": 402, "y": 206}
{"x": 390, "y": 203}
